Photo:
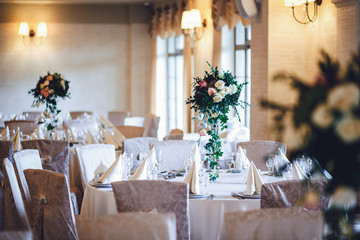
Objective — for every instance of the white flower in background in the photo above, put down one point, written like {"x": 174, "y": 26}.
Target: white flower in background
{"x": 344, "y": 97}
{"x": 46, "y": 83}
{"x": 322, "y": 116}
{"x": 220, "y": 84}
{"x": 222, "y": 93}
{"x": 348, "y": 129}
{"x": 226, "y": 90}
{"x": 295, "y": 138}
{"x": 343, "y": 196}
{"x": 217, "y": 98}
{"x": 232, "y": 89}
{"x": 62, "y": 83}
{"x": 51, "y": 91}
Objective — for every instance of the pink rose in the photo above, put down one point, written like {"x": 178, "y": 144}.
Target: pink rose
{"x": 202, "y": 132}
{"x": 321, "y": 80}
{"x": 211, "y": 91}
{"x": 202, "y": 84}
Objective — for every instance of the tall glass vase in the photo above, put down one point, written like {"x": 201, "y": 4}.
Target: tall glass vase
{"x": 214, "y": 150}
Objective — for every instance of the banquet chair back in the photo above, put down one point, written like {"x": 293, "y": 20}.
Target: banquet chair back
{"x": 159, "y": 196}
{"x": 51, "y": 212}
{"x": 174, "y": 153}
{"x": 26, "y": 159}
{"x": 6, "y": 151}
{"x": 79, "y": 114}
{"x": 137, "y": 146}
{"x": 15, "y": 213}
{"x": 289, "y": 194}
{"x": 117, "y": 117}
{"x": 259, "y": 150}
{"x": 32, "y": 115}
{"x": 128, "y": 225}
{"x": 26, "y": 126}
{"x": 90, "y": 156}
{"x": 131, "y": 131}
{"x": 268, "y": 224}
{"x": 134, "y": 121}
{"x": 151, "y": 125}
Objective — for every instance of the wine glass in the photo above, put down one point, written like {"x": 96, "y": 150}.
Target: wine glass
{"x": 231, "y": 164}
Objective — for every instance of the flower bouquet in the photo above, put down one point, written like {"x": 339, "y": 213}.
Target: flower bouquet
{"x": 213, "y": 95}
{"x": 325, "y": 125}
{"x": 47, "y": 91}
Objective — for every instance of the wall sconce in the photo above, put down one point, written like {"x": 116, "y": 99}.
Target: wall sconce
{"x": 191, "y": 23}
{"x": 294, "y": 3}
{"x": 29, "y": 34}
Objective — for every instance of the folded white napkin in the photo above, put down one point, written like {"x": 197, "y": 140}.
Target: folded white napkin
{"x": 241, "y": 160}
{"x": 298, "y": 173}
{"x": 254, "y": 180}
{"x": 141, "y": 173}
{"x": 90, "y": 139}
{"x": 16, "y": 140}
{"x": 114, "y": 172}
{"x": 72, "y": 136}
{"x": 55, "y": 136}
{"x": 6, "y": 133}
{"x": 111, "y": 140}
{"x": 192, "y": 177}
{"x": 100, "y": 169}
{"x": 106, "y": 122}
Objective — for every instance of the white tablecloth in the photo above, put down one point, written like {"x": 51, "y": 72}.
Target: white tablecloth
{"x": 206, "y": 216}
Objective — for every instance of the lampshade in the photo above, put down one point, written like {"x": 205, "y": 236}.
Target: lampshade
{"x": 191, "y": 19}
{"x": 41, "y": 30}
{"x": 290, "y": 3}
{"x": 24, "y": 29}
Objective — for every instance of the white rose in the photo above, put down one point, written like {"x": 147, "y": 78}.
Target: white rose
{"x": 220, "y": 84}
{"x": 232, "y": 89}
{"x": 46, "y": 83}
{"x": 322, "y": 116}
{"x": 295, "y": 138}
{"x": 343, "y": 196}
{"x": 344, "y": 97}
{"x": 51, "y": 91}
{"x": 62, "y": 83}
{"x": 222, "y": 93}
{"x": 226, "y": 90}
{"x": 348, "y": 129}
{"x": 217, "y": 98}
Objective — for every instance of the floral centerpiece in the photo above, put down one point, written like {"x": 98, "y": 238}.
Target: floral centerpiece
{"x": 325, "y": 125}
{"x": 213, "y": 95}
{"x": 47, "y": 91}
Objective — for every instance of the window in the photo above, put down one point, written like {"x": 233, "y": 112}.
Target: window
{"x": 169, "y": 83}
{"x": 236, "y": 57}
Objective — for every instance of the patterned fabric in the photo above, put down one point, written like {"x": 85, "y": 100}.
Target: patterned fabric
{"x": 258, "y": 151}
{"x": 269, "y": 224}
{"x": 15, "y": 214}
{"x": 117, "y": 118}
{"x": 26, "y": 126}
{"x": 289, "y": 194}
{"x": 131, "y": 131}
{"x": 174, "y": 153}
{"x": 18, "y": 235}
{"x": 137, "y": 146}
{"x": 128, "y": 225}
{"x": 51, "y": 213}
{"x": 90, "y": 156}
{"x": 33, "y": 115}
{"x": 145, "y": 195}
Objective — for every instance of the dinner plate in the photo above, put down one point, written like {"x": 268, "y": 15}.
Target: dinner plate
{"x": 106, "y": 185}
{"x": 195, "y": 196}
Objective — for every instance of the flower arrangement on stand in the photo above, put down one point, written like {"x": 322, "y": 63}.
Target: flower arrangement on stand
{"x": 213, "y": 95}
{"x": 325, "y": 125}
{"x": 48, "y": 90}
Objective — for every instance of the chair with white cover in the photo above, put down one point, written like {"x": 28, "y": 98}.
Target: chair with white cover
{"x": 174, "y": 153}
{"x": 52, "y": 216}
{"x": 159, "y": 196}
{"x": 258, "y": 151}
{"x": 137, "y": 146}
{"x": 289, "y": 194}
{"x": 268, "y": 224}
{"x": 90, "y": 156}
{"x": 79, "y": 114}
{"x": 26, "y": 126}
{"x": 118, "y": 117}
{"x": 134, "y": 121}
{"x": 131, "y": 131}
{"x": 128, "y": 225}
{"x": 15, "y": 213}
{"x": 151, "y": 125}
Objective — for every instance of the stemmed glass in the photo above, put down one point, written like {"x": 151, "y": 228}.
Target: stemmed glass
{"x": 231, "y": 163}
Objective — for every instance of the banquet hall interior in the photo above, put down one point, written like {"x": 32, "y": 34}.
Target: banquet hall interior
{"x": 113, "y": 115}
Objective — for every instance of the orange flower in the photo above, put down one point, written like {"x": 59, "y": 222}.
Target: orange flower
{"x": 44, "y": 92}
{"x": 49, "y": 78}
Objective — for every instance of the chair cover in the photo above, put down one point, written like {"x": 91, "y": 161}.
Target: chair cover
{"x": 269, "y": 224}
{"x": 75, "y": 115}
{"x": 6, "y": 151}
{"x": 151, "y": 125}
{"x": 145, "y": 196}
{"x": 131, "y": 131}
{"x": 174, "y": 153}
{"x": 118, "y": 118}
{"x": 56, "y": 158}
{"x": 33, "y": 115}
{"x": 129, "y": 225}
{"x": 259, "y": 150}
{"x": 289, "y": 194}
{"x": 81, "y": 125}
{"x": 26, "y": 159}
{"x": 137, "y": 146}
{"x": 51, "y": 213}
{"x": 26, "y": 126}
{"x": 134, "y": 121}
{"x": 15, "y": 213}
{"x": 18, "y": 235}
{"x": 90, "y": 156}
